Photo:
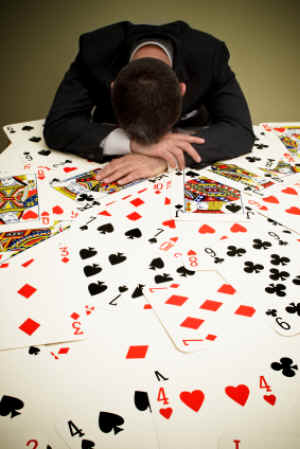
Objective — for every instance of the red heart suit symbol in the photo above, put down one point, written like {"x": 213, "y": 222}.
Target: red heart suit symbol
{"x": 206, "y": 229}
{"x": 227, "y": 288}
{"x": 293, "y": 210}
{"x": 29, "y": 215}
{"x": 290, "y": 191}
{"x": 68, "y": 169}
{"x": 170, "y": 223}
{"x": 166, "y": 412}
{"x": 238, "y": 394}
{"x": 238, "y": 228}
{"x": 193, "y": 400}
{"x": 271, "y": 199}
{"x": 192, "y": 253}
{"x": 270, "y": 398}
{"x": 280, "y": 130}
{"x": 57, "y": 210}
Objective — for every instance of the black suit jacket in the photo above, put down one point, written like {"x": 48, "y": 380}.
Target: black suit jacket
{"x": 81, "y": 115}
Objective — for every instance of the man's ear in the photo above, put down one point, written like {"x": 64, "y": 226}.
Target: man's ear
{"x": 182, "y": 88}
{"x": 112, "y": 84}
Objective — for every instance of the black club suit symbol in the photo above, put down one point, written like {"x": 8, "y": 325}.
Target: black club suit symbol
{"x": 286, "y": 366}
{"x": 85, "y": 197}
{"x": 278, "y": 289}
{"x": 260, "y": 244}
{"x": 296, "y": 280}
{"x": 260, "y": 146}
{"x": 271, "y": 312}
{"x": 250, "y": 267}
{"x": 234, "y": 251}
{"x": 253, "y": 159}
{"x": 293, "y": 308}
{"x": 277, "y": 260}
{"x": 277, "y": 275}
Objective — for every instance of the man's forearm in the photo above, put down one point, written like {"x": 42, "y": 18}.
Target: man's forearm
{"x": 222, "y": 141}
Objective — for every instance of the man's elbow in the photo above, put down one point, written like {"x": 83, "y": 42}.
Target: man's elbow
{"x": 52, "y": 138}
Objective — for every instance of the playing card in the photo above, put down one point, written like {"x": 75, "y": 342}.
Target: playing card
{"x": 113, "y": 241}
{"x": 23, "y": 395}
{"x": 264, "y": 258}
{"x": 281, "y": 203}
{"x": 195, "y": 196}
{"x": 288, "y": 133}
{"x": 265, "y": 154}
{"x": 195, "y": 320}
{"x": 19, "y": 201}
{"x": 251, "y": 182}
{"x": 286, "y": 316}
{"x": 106, "y": 413}
{"x": 39, "y": 297}
{"x": 15, "y": 241}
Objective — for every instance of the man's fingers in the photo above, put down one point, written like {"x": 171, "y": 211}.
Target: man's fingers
{"x": 128, "y": 178}
{"x": 188, "y": 138}
{"x": 169, "y": 158}
{"x": 190, "y": 150}
{"x": 178, "y": 153}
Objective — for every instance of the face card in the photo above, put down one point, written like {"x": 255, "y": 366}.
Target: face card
{"x": 288, "y": 133}
{"x": 196, "y": 196}
{"x": 19, "y": 200}
{"x": 251, "y": 182}
{"x": 84, "y": 184}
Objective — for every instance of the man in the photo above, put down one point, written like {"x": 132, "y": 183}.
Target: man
{"x": 139, "y": 95}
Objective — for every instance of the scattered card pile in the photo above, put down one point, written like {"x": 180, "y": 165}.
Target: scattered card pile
{"x": 164, "y": 313}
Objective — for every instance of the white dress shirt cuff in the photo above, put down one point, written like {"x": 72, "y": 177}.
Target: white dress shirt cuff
{"x": 116, "y": 143}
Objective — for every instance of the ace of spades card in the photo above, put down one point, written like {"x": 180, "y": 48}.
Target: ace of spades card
{"x": 196, "y": 195}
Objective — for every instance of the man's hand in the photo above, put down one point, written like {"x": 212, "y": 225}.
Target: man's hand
{"x": 171, "y": 148}
{"x": 130, "y": 168}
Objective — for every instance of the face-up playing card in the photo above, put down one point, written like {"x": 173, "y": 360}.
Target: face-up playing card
{"x": 195, "y": 195}
{"x": 195, "y": 319}
{"x": 251, "y": 182}
{"x": 40, "y": 302}
{"x": 85, "y": 184}
{"x": 15, "y": 241}
{"x": 19, "y": 200}
{"x": 23, "y": 387}
{"x": 111, "y": 243}
{"x": 265, "y": 154}
{"x": 288, "y": 133}
{"x": 285, "y": 317}
{"x": 281, "y": 203}
{"x": 108, "y": 414}
{"x": 264, "y": 259}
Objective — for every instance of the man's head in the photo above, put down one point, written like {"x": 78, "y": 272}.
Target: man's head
{"x": 147, "y": 99}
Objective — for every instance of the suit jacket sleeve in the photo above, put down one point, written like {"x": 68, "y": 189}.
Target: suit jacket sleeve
{"x": 68, "y": 126}
{"x": 230, "y": 133}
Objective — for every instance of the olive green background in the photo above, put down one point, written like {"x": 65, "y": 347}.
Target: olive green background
{"x": 39, "y": 40}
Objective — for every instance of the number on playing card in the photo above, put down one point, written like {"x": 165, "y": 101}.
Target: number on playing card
{"x": 74, "y": 429}
{"x": 162, "y": 396}
{"x": 264, "y": 384}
